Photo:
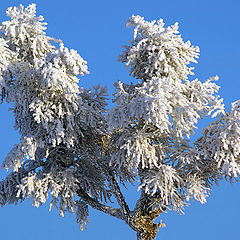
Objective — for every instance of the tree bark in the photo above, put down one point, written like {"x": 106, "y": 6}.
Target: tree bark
{"x": 139, "y": 236}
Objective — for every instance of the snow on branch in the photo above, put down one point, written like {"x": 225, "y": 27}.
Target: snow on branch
{"x": 77, "y": 153}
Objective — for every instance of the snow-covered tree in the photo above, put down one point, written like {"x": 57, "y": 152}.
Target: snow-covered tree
{"x": 77, "y": 152}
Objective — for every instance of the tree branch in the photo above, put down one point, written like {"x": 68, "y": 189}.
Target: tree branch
{"x": 118, "y": 194}
{"x": 99, "y": 206}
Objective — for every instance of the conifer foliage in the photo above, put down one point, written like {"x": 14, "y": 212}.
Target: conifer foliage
{"x": 78, "y": 153}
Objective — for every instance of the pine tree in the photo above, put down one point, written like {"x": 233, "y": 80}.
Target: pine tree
{"x": 78, "y": 153}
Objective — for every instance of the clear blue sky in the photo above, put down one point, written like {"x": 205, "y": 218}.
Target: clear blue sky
{"x": 97, "y": 30}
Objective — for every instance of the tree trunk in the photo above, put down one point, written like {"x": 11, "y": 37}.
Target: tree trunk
{"x": 145, "y": 227}
{"x": 140, "y": 236}
{"x": 145, "y": 236}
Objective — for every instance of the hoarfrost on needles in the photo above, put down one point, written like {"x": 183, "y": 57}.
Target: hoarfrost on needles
{"x": 76, "y": 151}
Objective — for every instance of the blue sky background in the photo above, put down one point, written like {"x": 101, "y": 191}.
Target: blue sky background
{"x": 97, "y": 30}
